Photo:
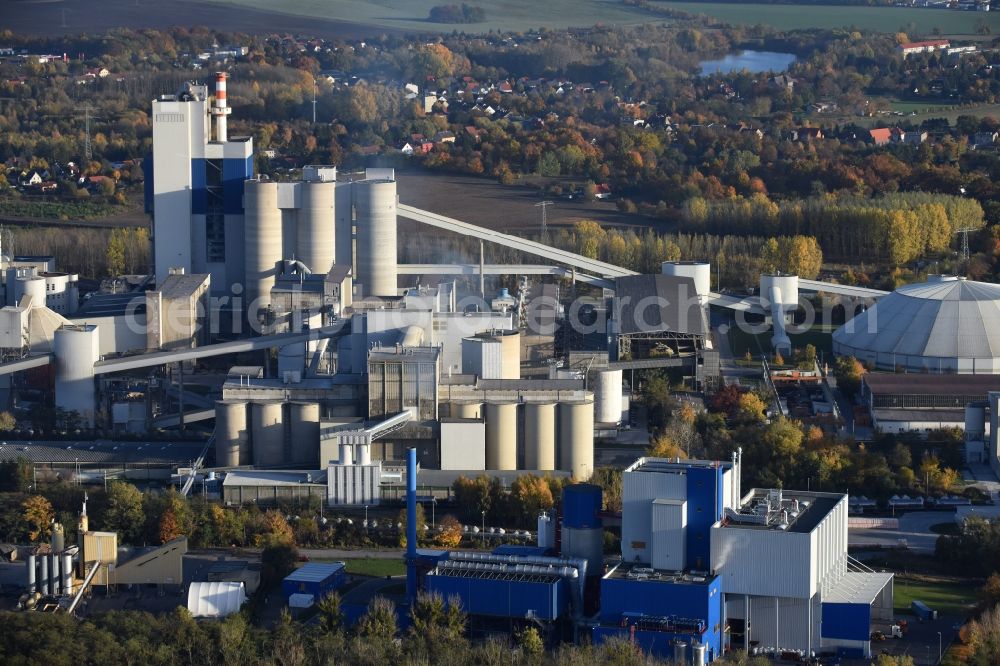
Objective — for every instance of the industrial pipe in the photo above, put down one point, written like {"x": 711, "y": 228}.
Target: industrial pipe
{"x": 411, "y": 525}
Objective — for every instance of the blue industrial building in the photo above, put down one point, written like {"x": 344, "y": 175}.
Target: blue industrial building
{"x": 503, "y": 593}
{"x": 315, "y": 578}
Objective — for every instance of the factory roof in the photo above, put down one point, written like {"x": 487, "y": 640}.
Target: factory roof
{"x": 643, "y": 572}
{"x": 858, "y": 588}
{"x": 405, "y": 354}
{"x": 647, "y": 464}
{"x": 112, "y": 305}
{"x": 338, "y": 273}
{"x": 945, "y": 318}
{"x": 256, "y": 371}
{"x": 101, "y": 452}
{"x": 655, "y": 303}
{"x": 926, "y": 415}
{"x": 814, "y": 507}
{"x": 314, "y": 572}
{"x": 275, "y": 477}
{"x": 927, "y": 384}
{"x": 514, "y": 384}
{"x": 183, "y": 285}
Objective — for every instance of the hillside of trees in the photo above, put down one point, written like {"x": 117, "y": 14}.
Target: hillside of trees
{"x": 456, "y": 14}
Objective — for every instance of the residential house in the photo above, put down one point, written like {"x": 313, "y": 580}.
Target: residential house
{"x": 505, "y": 88}
{"x": 474, "y": 132}
{"x": 822, "y": 107}
{"x": 885, "y": 135}
{"x": 911, "y": 48}
{"x": 914, "y": 138}
{"x": 602, "y": 191}
{"x": 33, "y": 178}
{"x": 807, "y": 134}
{"x": 782, "y": 82}
{"x": 444, "y": 136}
{"x": 982, "y": 139}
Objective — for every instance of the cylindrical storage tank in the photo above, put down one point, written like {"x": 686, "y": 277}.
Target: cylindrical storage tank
{"x": 581, "y": 505}
{"x": 304, "y": 432}
{"x": 364, "y": 454}
{"x": 510, "y": 355}
{"x": 58, "y": 541}
{"x": 680, "y": 652}
{"x": 975, "y": 422}
{"x": 67, "y": 574}
{"x": 53, "y": 573}
{"x": 376, "y": 269}
{"x": 34, "y": 287}
{"x": 346, "y": 454}
{"x": 262, "y": 242}
{"x": 482, "y": 356}
{"x": 608, "y": 396}
{"x": 343, "y": 206}
{"x": 43, "y": 574}
{"x": 267, "y": 433}
{"x": 76, "y": 348}
{"x": 546, "y": 537}
{"x": 576, "y": 439}
{"x": 780, "y": 289}
{"x": 32, "y": 565}
{"x": 699, "y": 271}
{"x": 314, "y": 240}
{"x": 467, "y": 410}
{"x": 501, "y": 435}
{"x": 232, "y": 445}
{"x": 698, "y": 655}
{"x": 540, "y": 435}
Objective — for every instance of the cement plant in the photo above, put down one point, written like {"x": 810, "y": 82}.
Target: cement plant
{"x": 555, "y": 446}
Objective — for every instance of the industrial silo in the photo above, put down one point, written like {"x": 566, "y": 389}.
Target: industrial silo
{"x": 375, "y": 268}
{"x": 699, "y": 271}
{"x": 314, "y": 240}
{"x": 58, "y": 538}
{"x": 304, "y": 430}
{"x": 608, "y": 396}
{"x": 511, "y": 354}
{"x": 32, "y": 572}
{"x": 576, "y": 438}
{"x": 34, "y": 287}
{"x": 262, "y": 240}
{"x": 540, "y": 435}
{"x": 76, "y": 348}
{"x": 67, "y": 574}
{"x": 267, "y": 433}
{"x": 482, "y": 356}
{"x": 466, "y": 410}
{"x": 232, "y": 445}
{"x": 343, "y": 206}
{"x": 501, "y": 435}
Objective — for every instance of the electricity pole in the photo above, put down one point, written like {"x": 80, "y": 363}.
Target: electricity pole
{"x": 544, "y": 206}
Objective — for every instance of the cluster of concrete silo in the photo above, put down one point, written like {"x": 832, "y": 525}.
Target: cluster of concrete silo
{"x": 555, "y": 435}
{"x": 51, "y": 573}
{"x": 314, "y": 221}
{"x": 266, "y": 433}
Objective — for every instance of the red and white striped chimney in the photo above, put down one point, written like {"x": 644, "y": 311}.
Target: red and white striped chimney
{"x": 220, "y": 110}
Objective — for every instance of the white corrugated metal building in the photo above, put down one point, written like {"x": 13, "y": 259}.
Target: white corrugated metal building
{"x": 215, "y": 599}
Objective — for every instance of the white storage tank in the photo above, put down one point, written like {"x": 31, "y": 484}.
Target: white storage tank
{"x": 375, "y": 267}
{"x": 304, "y": 429}
{"x": 34, "y": 287}
{"x": 232, "y": 441}
{"x": 540, "y": 435}
{"x": 262, "y": 240}
{"x": 268, "y": 433}
{"x": 364, "y": 454}
{"x": 76, "y": 348}
{"x": 780, "y": 289}
{"x": 314, "y": 241}
{"x": 608, "y": 396}
{"x": 343, "y": 206}
{"x": 501, "y": 435}
{"x": 467, "y": 410}
{"x": 699, "y": 271}
{"x": 576, "y": 439}
{"x": 346, "y": 455}
{"x": 482, "y": 356}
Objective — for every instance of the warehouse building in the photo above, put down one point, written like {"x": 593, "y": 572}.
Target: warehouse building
{"x": 918, "y": 402}
{"x": 311, "y": 582}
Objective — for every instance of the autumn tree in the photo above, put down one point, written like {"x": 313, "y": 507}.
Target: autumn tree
{"x": 124, "y": 513}
{"x": 37, "y": 515}
{"x": 449, "y": 532}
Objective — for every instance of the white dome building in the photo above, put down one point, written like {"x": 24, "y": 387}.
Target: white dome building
{"x": 945, "y": 325}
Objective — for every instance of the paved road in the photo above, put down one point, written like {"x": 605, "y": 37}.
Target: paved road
{"x": 731, "y": 373}
{"x": 914, "y": 527}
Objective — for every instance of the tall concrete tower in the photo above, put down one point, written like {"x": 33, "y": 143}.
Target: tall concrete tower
{"x": 195, "y": 190}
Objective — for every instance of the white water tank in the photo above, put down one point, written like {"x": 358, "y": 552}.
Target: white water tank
{"x": 376, "y": 268}
{"x": 576, "y": 439}
{"x": 346, "y": 454}
{"x": 364, "y": 454}
{"x": 540, "y": 435}
{"x": 699, "y": 271}
{"x": 232, "y": 446}
{"x": 76, "y": 348}
{"x": 608, "y": 396}
{"x": 501, "y": 435}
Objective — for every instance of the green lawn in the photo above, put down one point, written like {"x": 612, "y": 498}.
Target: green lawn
{"x": 883, "y": 19}
{"x": 740, "y": 341}
{"x": 945, "y": 598}
{"x": 369, "y": 566}
{"x": 515, "y": 15}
